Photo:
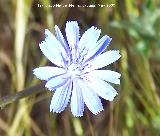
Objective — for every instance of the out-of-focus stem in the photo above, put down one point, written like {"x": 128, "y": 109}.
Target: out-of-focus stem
{"x": 21, "y": 94}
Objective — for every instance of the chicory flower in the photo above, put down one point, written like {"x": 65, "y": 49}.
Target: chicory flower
{"x": 77, "y": 77}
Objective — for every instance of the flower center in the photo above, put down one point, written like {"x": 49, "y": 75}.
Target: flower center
{"x": 74, "y": 70}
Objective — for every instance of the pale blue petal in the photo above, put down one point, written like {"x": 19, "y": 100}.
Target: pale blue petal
{"x": 61, "y": 39}
{"x": 102, "y": 88}
{"x": 54, "y": 55}
{"x": 50, "y": 38}
{"x": 72, "y": 33}
{"x": 89, "y": 38}
{"x": 77, "y": 102}
{"x": 61, "y": 98}
{"x": 107, "y": 75}
{"x": 101, "y": 45}
{"x": 87, "y": 43}
{"x": 102, "y": 60}
{"x": 53, "y": 49}
{"x": 44, "y": 73}
{"x": 91, "y": 99}
{"x": 57, "y": 81}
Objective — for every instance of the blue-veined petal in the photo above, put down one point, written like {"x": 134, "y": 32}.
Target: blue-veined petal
{"x": 57, "y": 81}
{"x": 101, "y": 45}
{"x": 61, "y": 39}
{"x": 102, "y": 88}
{"x": 72, "y": 33}
{"x": 102, "y": 60}
{"x": 88, "y": 40}
{"x": 91, "y": 99}
{"x": 89, "y": 37}
{"x": 77, "y": 102}
{"x": 44, "y": 73}
{"x": 61, "y": 98}
{"x": 107, "y": 75}
{"x": 50, "y": 38}
{"x": 54, "y": 55}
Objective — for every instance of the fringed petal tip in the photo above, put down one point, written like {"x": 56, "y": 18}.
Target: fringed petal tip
{"x": 46, "y": 31}
{"x": 56, "y": 111}
{"x": 74, "y": 115}
{"x": 56, "y": 27}
{"x": 117, "y": 52}
{"x": 50, "y": 89}
{"x": 77, "y": 115}
{"x": 95, "y": 113}
{"x": 96, "y": 29}
{"x": 109, "y": 38}
{"x": 112, "y": 98}
{"x": 99, "y": 111}
{"x": 73, "y": 22}
{"x": 118, "y": 81}
{"x": 36, "y": 73}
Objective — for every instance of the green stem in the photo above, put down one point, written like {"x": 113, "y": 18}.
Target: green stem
{"x": 21, "y": 94}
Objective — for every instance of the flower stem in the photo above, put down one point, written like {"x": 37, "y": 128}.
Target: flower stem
{"x": 21, "y": 94}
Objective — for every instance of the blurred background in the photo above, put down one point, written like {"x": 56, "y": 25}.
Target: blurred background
{"x": 135, "y": 30}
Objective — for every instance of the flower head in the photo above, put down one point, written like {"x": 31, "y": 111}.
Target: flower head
{"x": 76, "y": 77}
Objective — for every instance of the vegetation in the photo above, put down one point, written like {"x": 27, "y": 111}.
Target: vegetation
{"x": 135, "y": 30}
